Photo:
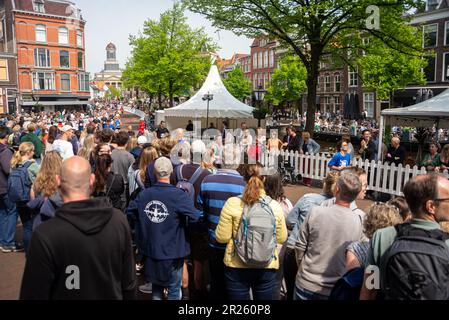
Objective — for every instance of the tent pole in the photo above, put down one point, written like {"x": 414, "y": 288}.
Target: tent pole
{"x": 381, "y": 138}
{"x": 437, "y": 139}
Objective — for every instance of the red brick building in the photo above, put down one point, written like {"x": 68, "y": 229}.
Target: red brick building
{"x": 50, "y": 46}
{"x": 264, "y": 61}
{"x": 8, "y": 60}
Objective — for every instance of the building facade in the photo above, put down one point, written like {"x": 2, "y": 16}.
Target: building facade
{"x": 111, "y": 75}
{"x": 434, "y": 22}
{"x": 237, "y": 60}
{"x": 8, "y": 60}
{"x": 50, "y": 45}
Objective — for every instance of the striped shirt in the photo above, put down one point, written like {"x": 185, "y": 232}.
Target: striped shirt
{"x": 215, "y": 191}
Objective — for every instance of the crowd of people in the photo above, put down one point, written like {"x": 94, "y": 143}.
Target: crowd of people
{"x": 198, "y": 221}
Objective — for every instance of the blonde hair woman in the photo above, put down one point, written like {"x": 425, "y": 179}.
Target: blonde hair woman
{"x": 46, "y": 189}
{"x": 132, "y": 143}
{"x": 45, "y": 183}
{"x": 87, "y": 148}
{"x": 24, "y": 158}
{"x": 137, "y": 172}
{"x": 380, "y": 216}
{"x": 226, "y": 233}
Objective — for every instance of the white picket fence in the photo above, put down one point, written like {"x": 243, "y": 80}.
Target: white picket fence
{"x": 383, "y": 178}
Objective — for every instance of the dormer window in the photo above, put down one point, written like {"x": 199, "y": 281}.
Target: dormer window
{"x": 432, "y": 5}
{"x": 38, "y": 6}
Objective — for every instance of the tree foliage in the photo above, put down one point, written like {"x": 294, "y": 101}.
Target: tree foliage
{"x": 313, "y": 29}
{"x": 237, "y": 84}
{"x": 168, "y": 56}
{"x": 288, "y": 82}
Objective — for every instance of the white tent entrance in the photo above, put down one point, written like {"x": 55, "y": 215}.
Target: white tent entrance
{"x": 432, "y": 112}
{"x": 223, "y": 107}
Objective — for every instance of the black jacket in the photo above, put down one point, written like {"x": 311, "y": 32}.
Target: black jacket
{"x": 93, "y": 237}
{"x": 5, "y": 167}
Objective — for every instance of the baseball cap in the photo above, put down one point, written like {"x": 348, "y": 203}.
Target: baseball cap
{"x": 66, "y": 128}
{"x": 142, "y": 140}
{"x": 163, "y": 167}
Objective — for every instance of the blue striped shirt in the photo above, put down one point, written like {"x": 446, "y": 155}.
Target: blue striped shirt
{"x": 215, "y": 191}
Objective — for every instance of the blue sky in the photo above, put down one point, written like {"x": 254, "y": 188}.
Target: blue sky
{"x": 115, "y": 20}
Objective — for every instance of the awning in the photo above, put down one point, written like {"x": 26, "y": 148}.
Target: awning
{"x": 55, "y": 103}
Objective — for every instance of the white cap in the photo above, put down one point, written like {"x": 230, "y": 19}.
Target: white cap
{"x": 66, "y": 128}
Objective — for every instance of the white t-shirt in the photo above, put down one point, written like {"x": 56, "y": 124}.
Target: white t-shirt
{"x": 64, "y": 148}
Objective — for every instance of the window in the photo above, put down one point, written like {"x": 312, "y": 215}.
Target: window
{"x": 64, "y": 60}
{"x": 337, "y": 103}
{"x": 267, "y": 81}
{"x": 256, "y": 78}
{"x": 43, "y": 81}
{"x": 430, "y": 35}
{"x": 38, "y": 6}
{"x": 445, "y": 66}
{"x": 271, "y": 58}
{"x": 255, "y": 61}
{"x": 432, "y": 5}
{"x": 63, "y": 35}
{"x": 430, "y": 71}
{"x": 83, "y": 82}
{"x": 328, "y": 104}
{"x": 353, "y": 77}
{"x": 265, "y": 59}
{"x": 65, "y": 82}
{"x": 4, "y": 70}
{"x": 337, "y": 82}
{"x": 327, "y": 82}
{"x": 41, "y": 33}
{"x": 80, "y": 60}
{"x": 79, "y": 38}
{"x": 446, "y": 33}
{"x": 322, "y": 65}
{"x": 368, "y": 103}
{"x": 42, "y": 58}
{"x": 259, "y": 63}
{"x": 263, "y": 43}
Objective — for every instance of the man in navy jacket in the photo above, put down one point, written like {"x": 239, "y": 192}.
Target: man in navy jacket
{"x": 163, "y": 213}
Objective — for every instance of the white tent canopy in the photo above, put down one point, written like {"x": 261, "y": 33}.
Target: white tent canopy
{"x": 424, "y": 114}
{"x": 224, "y": 105}
{"x": 432, "y": 112}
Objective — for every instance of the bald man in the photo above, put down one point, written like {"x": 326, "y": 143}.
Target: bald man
{"x": 396, "y": 153}
{"x": 85, "y": 252}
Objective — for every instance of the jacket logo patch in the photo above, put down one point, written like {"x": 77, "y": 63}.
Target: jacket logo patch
{"x": 156, "y": 211}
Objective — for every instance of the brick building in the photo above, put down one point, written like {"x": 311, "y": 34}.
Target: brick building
{"x": 50, "y": 46}
{"x": 8, "y": 60}
{"x": 435, "y": 25}
{"x": 229, "y": 65}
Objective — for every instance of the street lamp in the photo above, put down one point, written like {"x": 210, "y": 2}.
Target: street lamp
{"x": 259, "y": 96}
{"x": 208, "y": 97}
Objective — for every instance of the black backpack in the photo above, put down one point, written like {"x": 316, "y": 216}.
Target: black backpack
{"x": 417, "y": 265}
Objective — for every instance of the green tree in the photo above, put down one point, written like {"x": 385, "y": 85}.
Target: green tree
{"x": 386, "y": 70}
{"x": 237, "y": 84}
{"x": 288, "y": 82}
{"x": 314, "y": 29}
{"x": 168, "y": 56}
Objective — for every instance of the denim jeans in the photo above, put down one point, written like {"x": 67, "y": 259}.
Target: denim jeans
{"x": 262, "y": 282}
{"x": 8, "y": 222}
{"x": 304, "y": 294}
{"x": 174, "y": 286}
